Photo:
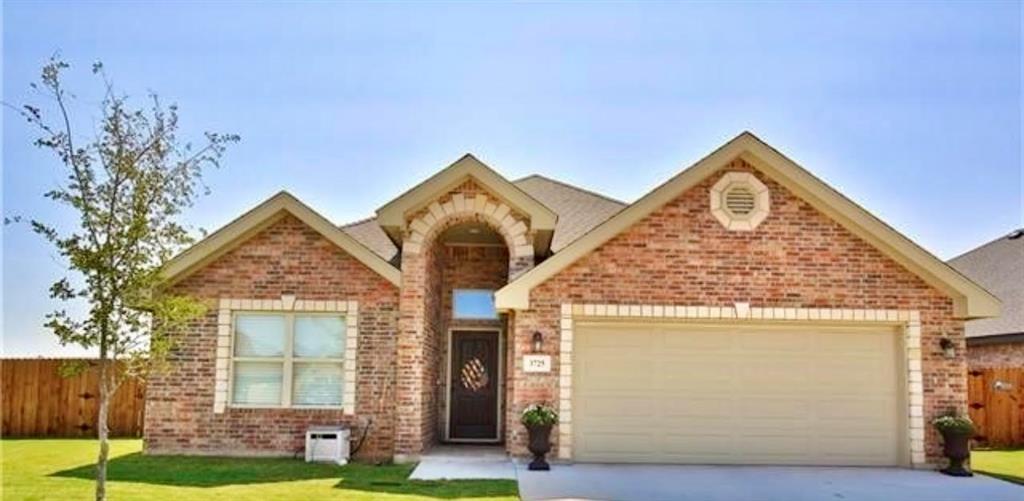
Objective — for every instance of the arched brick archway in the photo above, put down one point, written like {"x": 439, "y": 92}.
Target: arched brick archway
{"x": 439, "y": 216}
{"x": 421, "y": 332}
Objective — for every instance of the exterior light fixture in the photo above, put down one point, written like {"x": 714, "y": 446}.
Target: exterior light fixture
{"x": 538, "y": 342}
{"x": 948, "y": 347}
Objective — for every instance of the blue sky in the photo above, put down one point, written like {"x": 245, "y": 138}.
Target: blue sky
{"x": 913, "y": 110}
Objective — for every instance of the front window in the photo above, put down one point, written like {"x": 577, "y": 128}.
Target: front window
{"x": 288, "y": 360}
{"x": 473, "y": 304}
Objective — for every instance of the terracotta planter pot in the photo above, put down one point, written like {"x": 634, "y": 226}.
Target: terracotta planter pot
{"x": 540, "y": 444}
{"x": 957, "y": 448}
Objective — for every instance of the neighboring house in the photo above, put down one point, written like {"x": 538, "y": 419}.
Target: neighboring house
{"x": 741, "y": 312}
{"x": 997, "y": 266}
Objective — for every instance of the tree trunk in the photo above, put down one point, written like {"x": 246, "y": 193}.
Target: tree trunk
{"x": 101, "y": 427}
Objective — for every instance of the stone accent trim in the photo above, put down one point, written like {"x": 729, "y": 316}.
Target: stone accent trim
{"x": 288, "y": 303}
{"x": 424, "y": 307}
{"x": 499, "y": 215}
{"x": 908, "y": 320}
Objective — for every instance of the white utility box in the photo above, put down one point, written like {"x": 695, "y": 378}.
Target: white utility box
{"x": 327, "y": 444}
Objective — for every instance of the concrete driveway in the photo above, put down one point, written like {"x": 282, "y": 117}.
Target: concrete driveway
{"x": 755, "y": 483}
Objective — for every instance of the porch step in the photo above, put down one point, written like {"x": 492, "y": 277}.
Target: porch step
{"x": 464, "y": 462}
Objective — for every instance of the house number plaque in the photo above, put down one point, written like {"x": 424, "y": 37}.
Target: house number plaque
{"x": 536, "y": 363}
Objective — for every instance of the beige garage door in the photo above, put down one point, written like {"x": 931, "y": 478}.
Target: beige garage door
{"x": 737, "y": 395}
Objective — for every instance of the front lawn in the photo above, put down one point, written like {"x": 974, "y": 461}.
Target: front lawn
{"x": 63, "y": 469}
{"x": 1007, "y": 464}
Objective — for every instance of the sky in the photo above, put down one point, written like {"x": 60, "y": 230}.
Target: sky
{"x": 913, "y": 110}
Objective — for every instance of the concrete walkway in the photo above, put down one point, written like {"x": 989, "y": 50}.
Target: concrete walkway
{"x": 464, "y": 462}
{"x": 756, "y": 483}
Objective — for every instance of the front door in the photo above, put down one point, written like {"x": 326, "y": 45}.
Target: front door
{"x": 474, "y": 386}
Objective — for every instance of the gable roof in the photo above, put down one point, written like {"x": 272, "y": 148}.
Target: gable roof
{"x": 970, "y": 300}
{"x": 259, "y": 218}
{"x": 578, "y": 211}
{"x": 392, "y": 216}
{"x": 370, "y": 234}
{"x": 999, "y": 267}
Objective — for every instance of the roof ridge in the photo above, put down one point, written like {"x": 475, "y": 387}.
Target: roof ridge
{"x": 1002, "y": 237}
{"x": 572, "y": 186}
{"x": 969, "y": 299}
{"x": 357, "y": 222}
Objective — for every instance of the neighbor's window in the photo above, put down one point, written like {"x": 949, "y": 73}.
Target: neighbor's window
{"x": 288, "y": 360}
{"x": 473, "y": 303}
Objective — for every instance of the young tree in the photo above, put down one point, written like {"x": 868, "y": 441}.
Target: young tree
{"x": 126, "y": 185}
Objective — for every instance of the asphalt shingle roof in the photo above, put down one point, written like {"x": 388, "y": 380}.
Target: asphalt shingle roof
{"x": 999, "y": 267}
{"x": 578, "y": 211}
{"x": 370, "y": 234}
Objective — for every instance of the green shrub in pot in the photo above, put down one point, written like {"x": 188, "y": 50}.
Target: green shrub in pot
{"x": 952, "y": 423}
{"x": 538, "y": 420}
{"x": 956, "y": 433}
{"x": 539, "y": 415}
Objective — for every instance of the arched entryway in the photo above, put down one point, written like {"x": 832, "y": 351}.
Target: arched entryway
{"x": 451, "y": 346}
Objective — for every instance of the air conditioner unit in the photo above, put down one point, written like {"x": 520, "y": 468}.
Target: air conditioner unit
{"x": 327, "y": 444}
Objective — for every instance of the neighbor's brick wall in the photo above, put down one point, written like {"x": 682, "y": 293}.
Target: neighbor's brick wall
{"x": 287, "y": 257}
{"x": 681, "y": 255}
{"x": 995, "y": 355}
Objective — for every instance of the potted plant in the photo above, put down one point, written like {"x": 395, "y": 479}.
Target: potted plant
{"x": 956, "y": 433}
{"x": 538, "y": 420}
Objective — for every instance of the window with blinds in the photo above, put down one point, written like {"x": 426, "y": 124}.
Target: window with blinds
{"x": 288, "y": 360}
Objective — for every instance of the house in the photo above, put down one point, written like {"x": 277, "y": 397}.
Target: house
{"x": 998, "y": 266}
{"x": 741, "y": 312}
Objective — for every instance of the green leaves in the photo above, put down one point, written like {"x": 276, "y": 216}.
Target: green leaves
{"x": 539, "y": 415}
{"x": 951, "y": 423}
{"x": 127, "y": 184}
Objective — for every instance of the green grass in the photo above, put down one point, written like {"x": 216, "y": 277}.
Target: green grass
{"x": 1007, "y": 464}
{"x": 63, "y": 469}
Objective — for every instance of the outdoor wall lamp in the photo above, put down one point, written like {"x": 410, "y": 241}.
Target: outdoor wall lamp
{"x": 538, "y": 341}
{"x": 948, "y": 347}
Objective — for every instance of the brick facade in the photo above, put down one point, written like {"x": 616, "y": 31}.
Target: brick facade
{"x": 797, "y": 257}
{"x": 422, "y": 322}
{"x": 680, "y": 254}
{"x": 994, "y": 355}
{"x": 467, "y": 267}
{"x": 285, "y": 258}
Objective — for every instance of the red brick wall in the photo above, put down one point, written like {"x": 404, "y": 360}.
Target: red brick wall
{"x": 423, "y": 328}
{"x": 677, "y": 255}
{"x": 797, "y": 257}
{"x": 287, "y": 257}
{"x": 434, "y": 336}
{"x": 468, "y": 267}
{"x": 996, "y": 355}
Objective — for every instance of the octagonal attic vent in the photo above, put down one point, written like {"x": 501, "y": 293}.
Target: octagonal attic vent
{"x": 739, "y": 201}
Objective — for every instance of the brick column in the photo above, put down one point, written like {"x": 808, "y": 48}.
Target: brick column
{"x": 410, "y": 359}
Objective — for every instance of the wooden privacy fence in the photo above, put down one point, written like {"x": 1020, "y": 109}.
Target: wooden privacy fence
{"x": 39, "y": 402}
{"x": 996, "y": 401}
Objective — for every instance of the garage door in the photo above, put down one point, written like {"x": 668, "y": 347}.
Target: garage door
{"x": 737, "y": 395}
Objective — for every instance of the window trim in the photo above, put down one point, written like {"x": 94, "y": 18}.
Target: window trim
{"x": 288, "y": 304}
{"x": 455, "y": 316}
{"x": 287, "y": 361}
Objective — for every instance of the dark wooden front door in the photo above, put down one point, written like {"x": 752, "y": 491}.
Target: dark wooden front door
{"x": 474, "y": 384}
